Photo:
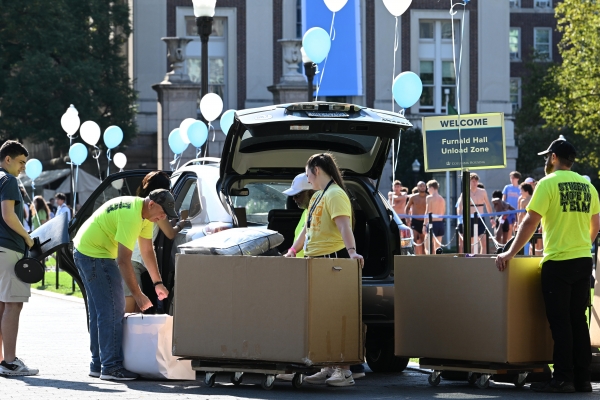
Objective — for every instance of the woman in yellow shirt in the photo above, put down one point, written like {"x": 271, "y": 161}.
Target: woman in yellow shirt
{"x": 327, "y": 233}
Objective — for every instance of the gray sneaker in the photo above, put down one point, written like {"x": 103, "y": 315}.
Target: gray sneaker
{"x": 17, "y": 368}
{"x": 120, "y": 374}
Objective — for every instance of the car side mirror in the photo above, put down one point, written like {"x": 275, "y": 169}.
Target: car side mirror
{"x": 239, "y": 192}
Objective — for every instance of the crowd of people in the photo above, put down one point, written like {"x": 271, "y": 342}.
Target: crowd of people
{"x": 414, "y": 207}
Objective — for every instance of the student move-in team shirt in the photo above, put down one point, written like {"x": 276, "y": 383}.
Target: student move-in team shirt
{"x": 117, "y": 221}
{"x": 298, "y": 230}
{"x": 9, "y": 190}
{"x": 566, "y": 201}
{"x": 323, "y": 236}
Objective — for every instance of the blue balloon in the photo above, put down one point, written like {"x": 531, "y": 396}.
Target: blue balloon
{"x": 176, "y": 143}
{"x": 407, "y": 89}
{"x": 78, "y": 153}
{"x": 197, "y": 133}
{"x": 227, "y": 120}
{"x": 33, "y": 168}
{"x": 113, "y": 136}
{"x": 316, "y": 43}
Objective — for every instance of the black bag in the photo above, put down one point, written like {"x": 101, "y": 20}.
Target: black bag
{"x": 30, "y": 270}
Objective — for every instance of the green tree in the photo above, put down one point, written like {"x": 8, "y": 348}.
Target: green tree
{"x": 411, "y": 149}
{"x": 576, "y": 103}
{"x": 61, "y": 52}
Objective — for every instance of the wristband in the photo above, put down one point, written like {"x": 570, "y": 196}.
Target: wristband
{"x": 293, "y": 250}
{"x": 157, "y": 283}
{"x": 351, "y": 248}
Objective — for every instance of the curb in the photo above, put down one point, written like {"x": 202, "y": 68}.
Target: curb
{"x": 59, "y": 296}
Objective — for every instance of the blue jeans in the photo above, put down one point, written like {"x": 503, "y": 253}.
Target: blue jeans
{"x": 106, "y": 307}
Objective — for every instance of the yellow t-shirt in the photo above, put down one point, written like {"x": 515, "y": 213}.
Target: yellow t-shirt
{"x": 323, "y": 237}
{"x": 566, "y": 201}
{"x": 299, "y": 228}
{"x": 117, "y": 221}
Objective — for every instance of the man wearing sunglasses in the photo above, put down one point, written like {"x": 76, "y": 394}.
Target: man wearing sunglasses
{"x": 567, "y": 205}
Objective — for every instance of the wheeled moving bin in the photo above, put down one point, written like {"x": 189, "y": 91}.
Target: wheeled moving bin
{"x": 267, "y": 315}
{"x": 487, "y": 322}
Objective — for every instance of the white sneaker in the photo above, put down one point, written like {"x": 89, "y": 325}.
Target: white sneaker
{"x": 340, "y": 377}
{"x": 320, "y": 377}
{"x": 17, "y": 368}
{"x": 285, "y": 377}
{"x": 357, "y": 375}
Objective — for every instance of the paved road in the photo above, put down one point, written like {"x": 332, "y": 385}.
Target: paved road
{"x": 54, "y": 338}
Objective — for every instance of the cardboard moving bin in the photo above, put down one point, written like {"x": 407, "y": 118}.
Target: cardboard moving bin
{"x": 461, "y": 308}
{"x": 290, "y": 310}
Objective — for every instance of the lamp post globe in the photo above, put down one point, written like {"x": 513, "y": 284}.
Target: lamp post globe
{"x": 204, "y": 10}
{"x": 416, "y": 167}
{"x": 310, "y": 69}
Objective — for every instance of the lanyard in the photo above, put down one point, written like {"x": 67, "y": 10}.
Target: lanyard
{"x": 315, "y": 204}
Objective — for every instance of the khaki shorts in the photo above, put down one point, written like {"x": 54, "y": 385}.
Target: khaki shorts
{"x": 12, "y": 290}
{"x": 138, "y": 270}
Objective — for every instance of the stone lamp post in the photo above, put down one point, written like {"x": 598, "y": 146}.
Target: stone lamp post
{"x": 176, "y": 56}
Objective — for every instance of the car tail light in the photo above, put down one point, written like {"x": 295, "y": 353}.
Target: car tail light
{"x": 406, "y": 236}
{"x": 215, "y": 227}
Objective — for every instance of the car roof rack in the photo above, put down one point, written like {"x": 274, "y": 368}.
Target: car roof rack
{"x": 203, "y": 160}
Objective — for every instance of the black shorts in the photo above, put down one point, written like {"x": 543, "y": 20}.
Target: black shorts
{"x": 480, "y": 227}
{"x": 439, "y": 228}
{"x": 417, "y": 224}
{"x": 505, "y": 224}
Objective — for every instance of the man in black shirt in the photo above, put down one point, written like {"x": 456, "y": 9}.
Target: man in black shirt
{"x": 13, "y": 241}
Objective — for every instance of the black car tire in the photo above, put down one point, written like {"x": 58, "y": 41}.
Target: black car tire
{"x": 381, "y": 357}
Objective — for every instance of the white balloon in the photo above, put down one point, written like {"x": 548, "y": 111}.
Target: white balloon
{"x": 211, "y": 106}
{"x": 183, "y": 128}
{"x": 118, "y": 184}
{"x": 70, "y": 121}
{"x": 397, "y": 7}
{"x": 335, "y": 5}
{"x": 120, "y": 160}
{"x": 90, "y": 132}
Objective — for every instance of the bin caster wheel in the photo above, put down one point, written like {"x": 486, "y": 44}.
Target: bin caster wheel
{"x": 268, "y": 383}
{"x": 297, "y": 380}
{"x": 435, "y": 378}
{"x": 520, "y": 379}
{"x": 483, "y": 382}
{"x": 472, "y": 378}
{"x": 209, "y": 379}
{"x": 237, "y": 378}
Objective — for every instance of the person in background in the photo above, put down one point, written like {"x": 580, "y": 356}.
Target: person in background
{"x": 502, "y": 226}
{"x": 479, "y": 199}
{"x": 301, "y": 191}
{"x": 52, "y": 207}
{"x": 13, "y": 242}
{"x": 526, "y": 193}
{"x": 40, "y": 213}
{"x": 567, "y": 206}
{"x": 61, "y": 206}
{"x": 327, "y": 233}
{"x": 154, "y": 180}
{"x": 26, "y": 219}
{"x": 397, "y": 198}
{"x": 416, "y": 205}
{"x": 511, "y": 194}
{"x": 435, "y": 204}
{"x": 531, "y": 181}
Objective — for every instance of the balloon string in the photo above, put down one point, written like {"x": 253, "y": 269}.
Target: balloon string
{"x": 97, "y": 156}
{"x": 198, "y": 152}
{"x": 109, "y": 159}
{"x": 75, "y": 191}
{"x": 396, "y": 40}
{"x": 213, "y": 130}
{"x": 172, "y": 163}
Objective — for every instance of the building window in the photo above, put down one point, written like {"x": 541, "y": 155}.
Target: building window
{"x": 218, "y": 26}
{"x": 543, "y": 4}
{"x": 542, "y": 43}
{"x": 515, "y": 3}
{"x": 514, "y": 44}
{"x": 515, "y": 94}
{"x": 298, "y": 18}
{"x": 436, "y": 67}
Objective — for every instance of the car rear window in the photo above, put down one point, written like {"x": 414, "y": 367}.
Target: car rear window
{"x": 262, "y": 198}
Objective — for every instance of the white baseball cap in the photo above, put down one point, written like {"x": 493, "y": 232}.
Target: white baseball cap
{"x": 529, "y": 180}
{"x": 587, "y": 178}
{"x": 299, "y": 184}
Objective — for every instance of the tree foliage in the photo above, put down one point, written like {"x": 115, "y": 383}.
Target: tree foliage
{"x": 576, "y": 102}
{"x": 411, "y": 149}
{"x": 61, "y": 52}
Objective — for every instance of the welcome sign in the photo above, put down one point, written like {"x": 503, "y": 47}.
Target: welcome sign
{"x": 473, "y": 141}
